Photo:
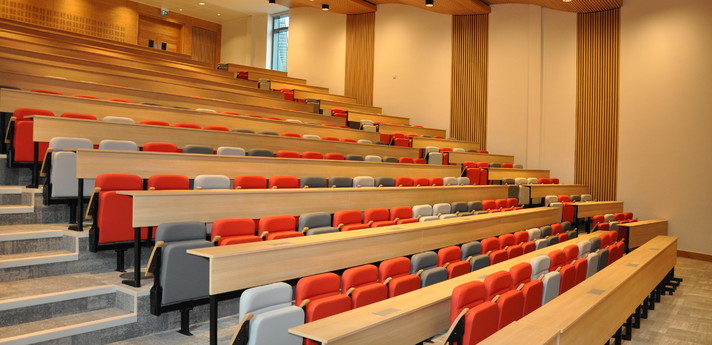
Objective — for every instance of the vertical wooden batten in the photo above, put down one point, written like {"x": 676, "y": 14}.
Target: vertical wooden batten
{"x": 597, "y": 102}
{"x": 360, "y": 41}
{"x": 468, "y": 117}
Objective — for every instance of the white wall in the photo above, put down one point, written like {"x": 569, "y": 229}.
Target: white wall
{"x": 317, "y": 48}
{"x": 532, "y": 87}
{"x": 244, "y": 41}
{"x": 665, "y": 153}
{"x": 412, "y": 64}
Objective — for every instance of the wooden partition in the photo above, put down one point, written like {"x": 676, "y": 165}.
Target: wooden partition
{"x": 91, "y": 163}
{"x": 304, "y": 94}
{"x": 496, "y": 174}
{"x": 326, "y": 106}
{"x": 278, "y": 85}
{"x": 389, "y": 129}
{"x": 421, "y": 142}
{"x": 46, "y": 128}
{"x": 356, "y": 116}
{"x": 542, "y": 190}
{"x": 592, "y": 208}
{"x": 461, "y": 157}
{"x": 641, "y": 232}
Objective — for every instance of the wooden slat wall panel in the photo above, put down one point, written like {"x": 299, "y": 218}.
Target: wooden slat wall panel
{"x": 597, "y": 96}
{"x": 572, "y": 6}
{"x": 204, "y": 44}
{"x": 360, "y": 40}
{"x": 468, "y": 118}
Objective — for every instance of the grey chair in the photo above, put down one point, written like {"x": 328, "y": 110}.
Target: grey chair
{"x": 369, "y": 128}
{"x": 244, "y": 130}
{"x": 460, "y": 208}
{"x": 211, "y": 182}
{"x": 363, "y": 181}
{"x": 118, "y": 145}
{"x": 450, "y": 181}
{"x": 364, "y": 141}
{"x": 340, "y": 182}
{"x": 272, "y": 315}
{"x": 424, "y": 213}
{"x": 260, "y": 153}
{"x": 552, "y": 283}
{"x": 119, "y": 119}
{"x": 602, "y": 258}
{"x": 425, "y": 265}
{"x": 312, "y": 182}
{"x": 390, "y": 159}
{"x": 458, "y": 149}
{"x": 207, "y": 150}
{"x": 479, "y": 261}
{"x": 572, "y": 234}
{"x": 231, "y": 151}
{"x": 62, "y": 181}
{"x": 541, "y": 243}
{"x": 293, "y": 121}
{"x": 549, "y": 199}
{"x": 595, "y": 244}
{"x": 311, "y": 136}
{"x": 508, "y": 181}
{"x": 315, "y": 223}
{"x": 586, "y": 197}
{"x": 584, "y": 248}
{"x": 592, "y": 264}
{"x": 434, "y": 158}
{"x": 267, "y": 133}
{"x": 373, "y": 158}
{"x": 463, "y": 181}
{"x": 495, "y": 165}
{"x": 518, "y": 166}
{"x": 474, "y": 206}
{"x": 469, "y": 250}
{"x": 534, "y": 234}
{"x": 545, "y": 231}
{"x": 385, "y": 181}
{"x": 552, "y": 240}
{"x": 353, "y": 157}
{"x": 429, "y": 149}
{"x": 566, "y": 226}
{"x": 443, "y": 210}
{"x": 575, "y": 197}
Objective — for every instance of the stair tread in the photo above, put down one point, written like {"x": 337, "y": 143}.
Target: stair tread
{"x": 11, "y": 209}
{"x": 60, "y": 283}
{"x": 69, "y": 321}
{"x": 9, "y": 257}
{"x": 31, "y": 228}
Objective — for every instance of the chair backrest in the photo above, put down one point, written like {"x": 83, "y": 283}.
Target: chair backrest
{"x": 431, "y": 274}
{"x": 363, "y": 284}
{"x": 340, "y": 181}
{"x": 442, "y": 208}
{"x": 592, "y": 267}
{"x": 187, "y": 125}
{"x": 572, "y": 252}
{"x": 79, "y": 116}
{"x": 312, "y": 182}
{"x": 521, "y": 274}
{"x": 586, "y": 197}
{"x": 118, "y": 119}
{"x": 406, "y": 160}
{"x": 245, "y": 130}
{"x": 260, "y": 153}
{"x": 470, "y": 249}
{"x": 168, "y": 181}
{"x": 398, "y": 271}
{"x": 211, "y": 182}
{"x": 497, "y": 283}
{"x": 540, "y": 265}
{"x": 230, "y": 151}
{"x": 234, "y": 231}
{"x": 595, "y": 243}
{"x": 250, "y": 182}
{"x": 436, "y": 181}
{"x": 490, "y": 244}
{"x": 354, "y": 157}
{"x": 376, "y": 217}
{"x": 450, "y": 181}
{"x": 312, "y": 155}
{"x": 404, "y": 181}
{"x": 273, "y": 314}
{"x": 584, "y": 248}
{"x": 534, "y": 234}
{"x": 315, "y": 223}
{"x": 521, "y": 236}
{"x": 311, "y": 136}
{"x": 154, "y": 123}
{"x": 364, "y": 141}
{"x": 373, "y": 158}
{"x": 322, "y": 291}
{"x": 282, "y": 181}
{"x": 160, "y": 147}
{"x": 382, "y": 181}
{"x": 363, "y": 181}
{"x": 435, "y": 158}
{"x": 390, "y": 159}
{"x": 63, "y": 178}
{"x": 276, "y": 224}
{"x": 463, "y": 181}
{"x": 552, "y": 284}
{"x": 114, "y": 211}
{"x": 288, "y": 154}
{"x": 335, "y": 156}
{"x": 459, "y": 207}
{"x": 467, "y": 295}
{"x": 217, "y": 128}
{"x": 423, "y": 210}
{"x": 119, "y": 145}
{"x": 506, "y": 240}
{"x": 546, "y": 231}
{"x": 201, "y": 149}
{"x": 421, "y": 182}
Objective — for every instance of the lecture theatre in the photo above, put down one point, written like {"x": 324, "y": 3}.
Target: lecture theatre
{"x": 278, "y": 172}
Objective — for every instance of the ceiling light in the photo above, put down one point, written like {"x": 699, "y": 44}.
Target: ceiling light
{"x": 201, "y": 3}
{"x": 429, "y": 3}
{"x": 219, "y": 14}
{"x": 324, "y": 7}
{"x": 567, "y": 0}
{"x": 272, "y": 1}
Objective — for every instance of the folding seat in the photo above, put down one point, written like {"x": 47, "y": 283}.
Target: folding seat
{"x": 293, "y": 121}
{"x": 489, "y": 205}
{"x": 372, "y": 158}
{"x": 279, "y": 226}
{"x": 424, "y": 213}
{"x": 510, "y": 302}
{"x": 602, "y": 258}
{"x": 211, "y": 182}
{"x": 307, "y": 136}
{"x": 260, "y": 153}
{"x": 364, "y": 141}
{"x": 528, "y": 247}
{"x": 204, "y": 110}
{"x": 62, "y": 181}
{"x": 549, "y": 199}
{"x": 421, "y": 182}
{"x": 532, "y": 290}
{"x": 532, "y": 180}
{"x": 362, "y": 285}
{"x": 340, "y": 182}
{"x": 348, "y": 140}
{"x": 160, "y": 147}
{"x": 514, "y": 251}
{"x": 481, "y": 318}
{"x": 19, "y": 133}
{"x": 320, "y": 297}
{"x": 546, "y": 231}
{"x": 595, "y": 243}
{"x": 434, "y": 158}
{"x": 450, "y": 258}
{"x": 168, "y": 182}
{"x": 501, "y": 203}
{"x": 266, "y": 314}
{"x": 250, "y": 182}
{"x": 402, "y": 215}
{"x": 495, "y": 165}
{"x": 217, "y": 128}
{"x": 586, "y": 197}
{"x": 187, "y": 125}
{"x": 118, "y": 119}
{"x": 353, "y": 157}
{"x": 450, "y": 181}
{"x": 575, "y": 197}
{"x": 463, "y": 181}
{"x": 243, "y": 130}
{"x": 121, "y": 100}
{"x": 229, "y": 113}
{"x": 283, "y": 182}
{"x": 562, "y": 237}
{"x": 592, "y": 267}
{"x": 288, "y": 154}
{"x": 628, "y": 215}
{"x": 489, "y": 245}
{"x": 554, "y": 180}
{"x": 85, "y": 96}
{"x": 595, "y": 220}
{"x": 474, "y": 206}
{"x": 233, "y": 231}
{"x": 198, "y": 149}
{"x": 458, "y": 149}
{"x": 312, "y": 182}
{"x": 315, "y": 223}
{"x": 289, "y": 134}
{"x": 395, "y": 274}
{"x": 552, "y": 280}
{"x": 118, "y": 145}
{"x": 384, "y": 182}
{"x": 460, "y": 208}
{"x": 563, "y": 198}
{"x": 376, "y": 217}
{"x": 568, "y": 272}
{"x": 436, "y": 181}
{"x": 443, "y": 210}
{"x": 507, "y": 165}
{"x": 584, "y": 248}
{"x": 425, "y": 265}
{"x": 347, "y": 220}
{"x": 609, "y": 217}
{"x": 364, "y": 181}
{"x": 404, "y": 181}
{"x": 552, "y": 240}
{"x": 180, "y": 279}
{"x": 267, "y": 132}
{"x": 520, "y": 237}
{"x": 506, "y": 240}
{"x": 335, "y": 156}
{"x": 328, "y": 138}
{"x": 312, "y": 155}
{"x": 541, "y": 243}
{"x": 230, "y": 151}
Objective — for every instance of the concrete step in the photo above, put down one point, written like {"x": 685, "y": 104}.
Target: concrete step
{"x": 37, "y": 258}
{"x": 38, "y": 238}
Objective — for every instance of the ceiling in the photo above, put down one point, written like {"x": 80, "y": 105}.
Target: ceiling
{"x": 233, "y": 9}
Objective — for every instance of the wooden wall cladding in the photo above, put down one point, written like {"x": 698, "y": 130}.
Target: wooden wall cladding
{"x": 468, "y": 118}
{"x": 159, "y": 31}
{"x": 597, "y": 102}
{"x": 205, "y": 43}
{"x": 360, "y": 41}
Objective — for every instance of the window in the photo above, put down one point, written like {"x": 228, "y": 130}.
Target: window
{"x": 280, "y": 36}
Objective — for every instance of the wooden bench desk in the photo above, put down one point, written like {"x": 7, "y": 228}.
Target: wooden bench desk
{"x": 497, "y": 174}
{"x": 326, "y": 106}
{"x": 256, "y": 76}
{"x": 278, "y": 85}
{"x": 421, "y": 142}
{"x": 589, "y": 209}
{"x": 238, "y": 267}
{"x": 234, "y": 68}
{"x": 385, "y": 128}
{"x": 542, "y": 190}
{"x": 355, "y": 116}
{"x": 643, "y": 231}
{"x": 409, "y": 318}
{"x": 460, "y": 157}
{"x": 305, "y": 94}
{"x": 594, "y": 309}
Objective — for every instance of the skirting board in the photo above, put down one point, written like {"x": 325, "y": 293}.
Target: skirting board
{"x": 694, "y": 255}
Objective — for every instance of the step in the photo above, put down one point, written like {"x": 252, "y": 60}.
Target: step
{"x": 18, "y": 239}
{"x": 16, "y": 209}
{"x": 37, "y": 258}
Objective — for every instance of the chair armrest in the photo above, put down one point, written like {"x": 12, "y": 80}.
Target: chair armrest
{"x": 151, "y": 267}
{"x": 92, "y": 203}
{"x": 216, "y": 239}
{"x": 457, "y": 323}
{"x": 240, "y": 335}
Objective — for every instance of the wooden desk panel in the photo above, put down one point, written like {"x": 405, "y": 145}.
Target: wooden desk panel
{"x": 305, "y": 94}
{"x": 256, "y": 76}
{"x": 46, "y": 128}
{"x": 421, "y": 142}
{"x": 152, "y": 208}
{"x": 326, "y": 106}
{"x": 542, "y": 190}
{"x": 460, "y": 157}
{"x": 233, "y": 67}
{"x": 592, "y": 208}
{"x": 91, "y": 163}
{"x": 278, "y": 85}
{"x": 496, "y": 174}
{"x": 356, "y": 116}
{"x": 238, "y": 267}
{"x": 643, "y": 231}
{"x": 406, "y": 319}
{"x": 385, "y": 128}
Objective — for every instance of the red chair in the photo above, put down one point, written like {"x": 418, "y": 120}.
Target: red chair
{"x": 288, "y": 134}
{"x": 544, "y": 180}
{"x": 514, "y": 251}
{"x": 628, "y": 215}
{"x": 557, "y": 262}
{"x": 20, "y": 135}
{"x": 78, "y": 116}
{"x": 489, "y": 245}
{"x": 283, "y": 182}
{"x": 404, "y": 181}
{"x": 402, "y": 215}
{"x": 510, "y": 302}
{"x": 330, "y": 138}
{"x": 421, "y": 182}
{"x": 482, "y": 316}
{"x": 217, "y": 128}
{"x": 406, "y": 160}
{"x": 186, "y": 125}
{"x": 349, "y": 140}
{"x": 557, "y": 259}
{"x": 436, "y": 181}
{"x": 347, "y": 220}
{"x": 507, "y": 240}
{"x": 395, "y": 274}
{"x": 489, "y": 205}
{"x": 229, "y": 113}
{"x": 279, "y": 226}
{"x": 420, "y": 161}
{"x": 46, "y": 91}
{"x": 401, "y": 142}
{"x": 335, "y": 156}
{"x": 312, "y": 155}
{"x": 564, "y": 198}
{"x": 596, "y": 220}
{"x": 288, "y": 154}
{"x": 250, "y": 182}
{"x": 233, "y": 231}
{"x": 512, "y": 202}
{"x": 449, "y": 257}
{"x": 501, "y": 203}
{"x": 85, "y": 96}
{"x": 581, "y": 267}
{"x": 554, "y": 180}
{"x": 319, "y": 296}
{"x": 154, "y": 123}
{"x": 274, "y": 118}
{"x": 531, "y": 289}
{"x": 361, "y": 283}
{"x": 556, "y": 229}
{"x": 377, "y": 217}
{"x": 168, "y": 182}
{"x": 528, "y": 247}
{"x": 563, "y": 237}
{"x": 121, "y": 100}
{"x": 520, "y": 237}
{"x": 507, "y": 165}
{"x": 160, "y": 147}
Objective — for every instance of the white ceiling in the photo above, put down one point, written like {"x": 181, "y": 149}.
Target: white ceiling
{"x": 228, "y": 9}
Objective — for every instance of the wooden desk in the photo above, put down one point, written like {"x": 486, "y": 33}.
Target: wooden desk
{"x": 460, "y": 157}
{"x": 327, "y": 105}
{"x": 46, "y": 128}
{"x": 542, "y": 190}
{"x": 592, "y": 208}
{"x": 409, "y": 318}
{"x": 233, "y": 67}
{"x": 582, "y": 317}
{"x": 496, "y": 174}
{"x": 278, "y": 85}
{"x": 91, "y": 163}
{"x": 305, "y": 94}
{"x": 356, "y": 116}
{"x": 420, "y": 142}
{"x": 385, "y": 128}
{"x": 643, "y": 231}
{"x": 256, "y": 76}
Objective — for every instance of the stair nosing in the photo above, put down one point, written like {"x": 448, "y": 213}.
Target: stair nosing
{"x": 53, "y": 297}
{"x": 34, "y": 235}
{"x": 39, "y": 260}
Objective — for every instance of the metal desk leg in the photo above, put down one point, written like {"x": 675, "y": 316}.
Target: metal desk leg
{"x": 136, "y": 282}
{"x": 213, "y": 320}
